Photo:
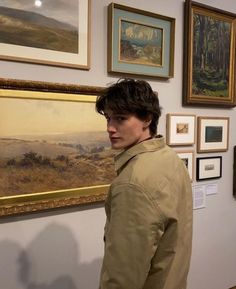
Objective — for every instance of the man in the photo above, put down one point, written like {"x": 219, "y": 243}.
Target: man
{"x": 148, "y": 232}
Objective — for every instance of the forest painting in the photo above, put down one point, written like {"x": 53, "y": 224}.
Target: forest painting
{"x": 141, "y": 44}
{"x": 211, "y": 56}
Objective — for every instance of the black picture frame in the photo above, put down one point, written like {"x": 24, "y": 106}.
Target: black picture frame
{"x": 208, "y": 168}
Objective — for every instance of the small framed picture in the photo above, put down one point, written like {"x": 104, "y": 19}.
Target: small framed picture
{"x": 213, "y": 134}
{"x": 140, "y": 43}
{"x": 209, "y": 168}
{"x": 187, "y": 157}
{"x": 180, "y": 129}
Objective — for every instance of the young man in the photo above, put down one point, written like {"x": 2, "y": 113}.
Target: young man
{"x": 148, "y": 232}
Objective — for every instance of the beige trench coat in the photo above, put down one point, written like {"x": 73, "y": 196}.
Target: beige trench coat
{"x": 148, "y": 232}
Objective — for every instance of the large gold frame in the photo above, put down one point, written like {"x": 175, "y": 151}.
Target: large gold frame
{"x": 18, "y": 204}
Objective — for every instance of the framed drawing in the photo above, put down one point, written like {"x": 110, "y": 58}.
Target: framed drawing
{"x": 213, "y": 134}
{"x": 140, "y": 42}
{"x": 209, "y": 65}
{"x": 180, "y": 129}
{"x": 46, "y": 33}
{"x": 209, "y": 168}
{"x": 54, "y": 151}
{"x": 188, "y": 158}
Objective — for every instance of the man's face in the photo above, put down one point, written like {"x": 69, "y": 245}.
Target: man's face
{"x": 126, "y": 130}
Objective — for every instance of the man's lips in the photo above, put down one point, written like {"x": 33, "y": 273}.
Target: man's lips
{"x": 114, "y": 138}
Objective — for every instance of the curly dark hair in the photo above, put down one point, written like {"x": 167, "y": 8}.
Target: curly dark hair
{"x": 131, "y": 96}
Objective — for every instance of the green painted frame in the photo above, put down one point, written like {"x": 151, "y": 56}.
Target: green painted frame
{"x": 118, "y": 13}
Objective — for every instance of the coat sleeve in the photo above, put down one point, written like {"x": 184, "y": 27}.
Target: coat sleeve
{"x": 131, "y": 238}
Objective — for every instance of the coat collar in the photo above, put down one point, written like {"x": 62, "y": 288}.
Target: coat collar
{"x": 145, "y": 146}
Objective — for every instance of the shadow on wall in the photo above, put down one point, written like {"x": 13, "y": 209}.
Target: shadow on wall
{"x": 50, "y": 261}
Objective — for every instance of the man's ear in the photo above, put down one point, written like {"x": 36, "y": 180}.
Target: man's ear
{"x": 146, "y": 123}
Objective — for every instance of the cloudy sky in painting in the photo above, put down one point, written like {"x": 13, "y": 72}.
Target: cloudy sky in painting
{"x": 37, "y": 117}
{"x": 62, "y": 10}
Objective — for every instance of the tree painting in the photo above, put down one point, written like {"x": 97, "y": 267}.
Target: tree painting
{"x": 141, "y": 44}
{"x": 211, "y": 56}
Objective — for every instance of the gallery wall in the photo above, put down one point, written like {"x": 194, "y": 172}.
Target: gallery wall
{"x": 64, "y": 248}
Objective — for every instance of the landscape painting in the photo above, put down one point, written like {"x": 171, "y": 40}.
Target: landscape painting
{"x": 214, "y": 134}
{"x": 46, "y": 32}
{"x": 51, "y": 25}
{"x": 182, "y": 128}
{"x": 141, "y": 44}
{"x": 51, "y": 145}
{"x": 211, "y": 56}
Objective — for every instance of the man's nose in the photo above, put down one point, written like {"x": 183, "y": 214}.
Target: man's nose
{"x": 110, "y": 126}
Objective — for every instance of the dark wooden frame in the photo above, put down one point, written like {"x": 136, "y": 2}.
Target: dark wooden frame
{"x": 190, "y": 99}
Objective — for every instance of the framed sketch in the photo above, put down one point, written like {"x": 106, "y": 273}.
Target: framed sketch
{"x": 46, "y": 33}
{"x": 188, "y": 158}
{"x": 180, "y": 129}
{"x": 209, "y": 168}
{"x": 209, "y": 65}
{"x": 140, "y": 42}
{"x": 212, "y": 134}
{"x": 54, "y": 151}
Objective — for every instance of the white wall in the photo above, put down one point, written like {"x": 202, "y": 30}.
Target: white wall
{"x": 63, "y": 249}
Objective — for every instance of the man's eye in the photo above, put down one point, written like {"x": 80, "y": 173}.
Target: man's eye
{"x": 120, "y": 118}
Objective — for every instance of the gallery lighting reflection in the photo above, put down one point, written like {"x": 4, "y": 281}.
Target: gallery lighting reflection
{"x": 38, "y": 3}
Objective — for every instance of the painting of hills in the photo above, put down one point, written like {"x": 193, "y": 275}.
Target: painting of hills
{"x": 52, "y": 145}
{"x": 140, "y": 44}
{"x": 34, "y": 29}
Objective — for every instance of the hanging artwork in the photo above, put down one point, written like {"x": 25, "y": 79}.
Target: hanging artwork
{"x": 46, "y": 32}
{"x": 54, "y": 149}
{"x": 209, "y": 56}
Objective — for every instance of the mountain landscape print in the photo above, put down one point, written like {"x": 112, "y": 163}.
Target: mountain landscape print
{"x": 52, "y": 145}
{"x": 53, "y": 26}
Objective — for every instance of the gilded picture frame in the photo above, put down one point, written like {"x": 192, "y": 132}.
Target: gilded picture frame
{"x": 50, "y": 34}
{"x": 209, "y": 65}
{"x": 50, "y": 159}
{"x": 140, "y": 43}
{"x": 212, "y": 134}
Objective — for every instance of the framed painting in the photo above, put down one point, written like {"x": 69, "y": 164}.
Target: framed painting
{"x": 188, "y": 159}
{"x": 212, "y": 134}
{"x": 140, "y": 43}
{"x": 54, "y": 151}
{"x": 209, "y": 56}
{"x": 45, "y": 32}
{"x": 180, "y": 129}
{"x": 209, "y": 168}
